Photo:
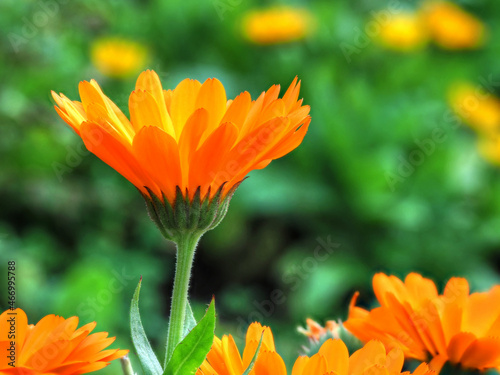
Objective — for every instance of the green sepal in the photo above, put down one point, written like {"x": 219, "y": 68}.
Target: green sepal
{"x": 154, "y": 213}
{"x": 254, "y": 359}
{"x": 206, "y": 216}
{"x": 148, "y": 359}
{"x": 190, "y": 353}
{"x": 183, "y": 215}
{"x": 195, "y": 210}
{"x": 181, "y": 209}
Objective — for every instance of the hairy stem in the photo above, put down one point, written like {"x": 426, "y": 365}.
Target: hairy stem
{"x": 186, "y": 246}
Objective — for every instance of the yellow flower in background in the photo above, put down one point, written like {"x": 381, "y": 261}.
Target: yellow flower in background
{"x": 224, "y": 357}
{"x": 489, "y": 147}
{"x": 333, "y": 358}
{"x": 118, "y": 57}
{"x": 480, "y": 110}
{"x": 404, "y": 32}
{"x": 451, "y": 27}
{"x": 277, "y": 25}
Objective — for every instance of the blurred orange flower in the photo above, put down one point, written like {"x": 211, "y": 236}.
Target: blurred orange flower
{"x": 224, "y": 357}
{"x": 477, "y": 108}
{"x": 456, "y": 326}
{"x": 118, "y": 57}
{"x": 451, "y": 27}
{"x": 404, "y": 31}
{"x": 315, "y": 331}
{"x": 277, "y": 25}
{"x": 333, "y": 358}
{"x": 189, "y": 137}
{"x": 481, "y": 111}
{"x": 53, "y": 346}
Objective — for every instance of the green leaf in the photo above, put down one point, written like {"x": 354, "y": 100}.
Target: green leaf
{"x": 254, "y": 359}
{"x": 189, "y": 320}
{"x": 147, "y": 357}
{"x": 190, "y": 353}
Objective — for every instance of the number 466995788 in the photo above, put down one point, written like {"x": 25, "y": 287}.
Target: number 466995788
{"x": 11, "y": 283}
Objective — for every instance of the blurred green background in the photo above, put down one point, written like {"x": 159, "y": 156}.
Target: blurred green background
{"x": 82, "y": 239}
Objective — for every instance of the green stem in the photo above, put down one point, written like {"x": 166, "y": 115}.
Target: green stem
{"x": 186, "y": 246}
{"x": 127, "y": 366}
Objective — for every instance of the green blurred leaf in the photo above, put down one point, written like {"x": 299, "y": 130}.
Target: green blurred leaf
{"x": 192, "y": 351}
{"x": 149, "y": 362}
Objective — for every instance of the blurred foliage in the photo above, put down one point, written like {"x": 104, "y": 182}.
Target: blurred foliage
{"x": 82, "y": 238}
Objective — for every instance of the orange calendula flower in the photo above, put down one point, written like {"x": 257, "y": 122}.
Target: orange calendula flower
{"x": 333, "y": 358}
{"x": 451, "y": 27}
{"x": 53, "y": 346}
{"x": 404, "y": 31}
{"x": 190, "y": 146}
{"x": 455, "y": 326}
{"x": 224, "y": 357}
{"x": 477, "y": 108}
{"x": 118, "y": 57}
{"x": 277, "y": 25}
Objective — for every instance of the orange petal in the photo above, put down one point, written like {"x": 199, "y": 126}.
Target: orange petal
{"x": 458, "y": 345}
{"x": 454, "y": 301}
{"x": 158, "y": 152}
{"x": 300, "y": 365}
{"x": 212, "y": 97}
{"x": 144, "y": 110}
{"x": 238, "y": 110}
{"x": 232, "y": 356}
{"x": 183, "y": 103}
{"x": 316, "y": 365}
{"x": 292, "y": 94}
{"x": 269, "y": 363}
{"x": 482, "y": 353}
{"x": 150, "y": 82}
{"x": 336, "y": 355}
{"x": 373, "y": 353}
{"x": 209, "y": 161}
{"x": 115, "y": 154}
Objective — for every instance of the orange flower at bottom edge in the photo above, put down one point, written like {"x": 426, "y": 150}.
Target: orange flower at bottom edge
{"x": 455, "y": 326}
{"x": 333, "y": 358}
{"x": 224, "y": 357}
{"x": 53, "y": 346}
